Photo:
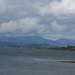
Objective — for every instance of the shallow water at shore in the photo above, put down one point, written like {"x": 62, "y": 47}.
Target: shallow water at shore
{"x": 36, "y": 62}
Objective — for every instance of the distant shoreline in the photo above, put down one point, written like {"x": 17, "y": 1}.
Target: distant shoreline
{"x": 48, "y": 48}
{"x": 57, "y": 48}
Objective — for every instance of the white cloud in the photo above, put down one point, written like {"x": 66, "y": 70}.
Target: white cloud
{"x": 56, "y": 27}
{"x": 64, "y": 7}
{"x": 23, "y": 26}
{"x": 29, "y": 25}
{"x": 52, "y": 36}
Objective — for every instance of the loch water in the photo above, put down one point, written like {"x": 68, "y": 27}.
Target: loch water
{"x": 14, "y": 61}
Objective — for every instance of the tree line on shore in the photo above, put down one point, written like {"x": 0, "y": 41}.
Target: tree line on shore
{"x": 69, "y": 47}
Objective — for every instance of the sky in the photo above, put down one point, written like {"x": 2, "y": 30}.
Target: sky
{"x": 51, "y": 19}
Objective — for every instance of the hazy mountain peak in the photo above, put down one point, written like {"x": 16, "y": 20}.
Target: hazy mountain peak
{"x": 65, "y": 41}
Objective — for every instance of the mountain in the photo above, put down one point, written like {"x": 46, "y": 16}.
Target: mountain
{"x": 29, "y": 40}
{"x": 38, "y": 40}
{"x": 65, "y": 41}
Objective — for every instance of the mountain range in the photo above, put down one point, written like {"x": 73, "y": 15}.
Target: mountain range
{"x": 38, "y": 40}
{"x": 65, "y": 42}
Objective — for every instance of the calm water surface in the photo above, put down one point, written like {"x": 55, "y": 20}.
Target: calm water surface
{"x": 36, "y": 62}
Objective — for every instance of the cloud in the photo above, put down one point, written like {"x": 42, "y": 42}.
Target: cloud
{"x": 30, "y": 26}
{"x": 56, "y": 27}
{"x": 22, "y": 13}
{"x": 23, "y": 26}
{"x": 52, "y": 19}
{"x": 2, "y": 6}
{"x": 56, "y": 8}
